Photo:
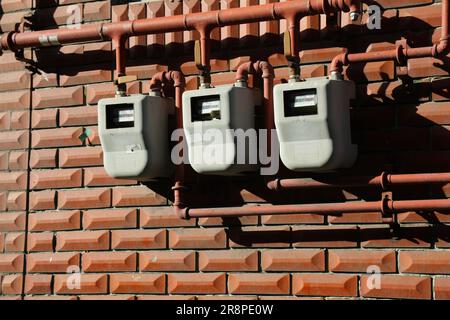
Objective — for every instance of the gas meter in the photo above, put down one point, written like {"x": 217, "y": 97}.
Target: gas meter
{"x": 134, "y": 136}
{"x": 312, "y": 120}
{"x": 218, "y": 123}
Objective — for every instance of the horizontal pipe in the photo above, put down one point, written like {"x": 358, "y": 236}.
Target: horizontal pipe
{"x": 194, "y": 21}
{"x": 384, "y": 180}
{"x": 322, "y": 208}
{"x": 400, "y": 53}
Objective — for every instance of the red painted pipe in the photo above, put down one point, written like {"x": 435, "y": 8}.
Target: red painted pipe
{"x": 265, "y": 70}
{"x": 384, "y": 181}
{"x": 203, "y": 22}
{"x": 400, "y": 53}
{"x": 323, "y": 208}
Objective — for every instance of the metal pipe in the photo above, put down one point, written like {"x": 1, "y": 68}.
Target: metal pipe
{"x": 384, "y": 181}
{"x": 400, "y": 53}
{"x": 203, "y": 22}
{"x": 323, "y": 208}
{"x": 265, "y": 70}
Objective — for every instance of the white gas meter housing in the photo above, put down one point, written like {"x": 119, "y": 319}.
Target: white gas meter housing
{"x": 211, "y": 118}
{"x": 134, "y": 136}
{"x": 312, "y": 119}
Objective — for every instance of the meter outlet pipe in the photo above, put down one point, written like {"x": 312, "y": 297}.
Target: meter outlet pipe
{"x": 401, "y": 53}
{"x": 264, "y": 70}
{"x": 385, "y": 206}
{"x": 384, "y": 181}
{"x": 202, "y": 22}
{"x": 177, "y": 80}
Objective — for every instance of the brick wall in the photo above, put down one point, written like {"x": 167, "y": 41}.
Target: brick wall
{"x": 59, "y": 209}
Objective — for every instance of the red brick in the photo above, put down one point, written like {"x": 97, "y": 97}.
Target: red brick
{"x": 119, "y": 12}
{"x": 269, "y": 237}
{"x": 13, "y": 180}
{"x": 380, "y": 237}
{"x": 364, "y": 217}
{"x": 197, "y": 238}
{"x": 293, "y": 260}
{"x": 413, "y": 217}
{"x": 109, "y": 261}
{"x": 82, "y": 240}
{"x": 139, "y": 239}
{"x": 14, "y": 221}
{"x": 52, "y": 262}
{"x": 136, "y": 196}
{"x": 137, "y": 44}
{"x": 433, "y": 262}
{"x": 15, "y": 242}
{"x": 85, "y": 156}
{"x": 4, "y": 121}
{"x": 45, "y": 80}
{"x": 361, "y": 260}
{"x": 43, "y": 200}
{"x": 51, "y": 179}
{"x": 38, "y": 284}
{"x": 138, "y": 283}
{"x": 13, "y": 140}
{"x": 45, "y": 158}
{"x": 99, "y": 10}
{"x": 145, "y": 71}
{"x": 42, "y": 241}
{"x": 324, "y": 285}
{"x": 11, "y": 262}
{"x": 442, "y": 288}
{"x": 167, "y": 261}
{"x": 12, "y": 284}
{"x": 44, "y": 118}
{"x": 207, "y": 283}
{"x": 61, "y": 137}
{"x": 89, "y": 283}
{"x": 97, "y": 74}
{"x": 250, "y": 283}
{"x": 17, "y": 201}
{"x": 292, "y": 219}
{"x": 15, "y": 80}
{"x": 8, "y": 61}
{"x": 98, "y": 177}
{"x": 79, "y": 199}
{"x": 77, "y": 116}
{"x": 4, "y": 160}
{"x": 426, "y": 114}
{"x": 99, "y": 91}
{"x": 15, "y": 100}
{"x": 155, "y": 217}
{"x": 324, "y": 236}
{"x": 115, "y": 297}
{"x": 52, "y": 221}
{"x": 57, "y": 97}
{"x": 426, "y": 67}
{"x": 18, "y": 160}
{"x": 236, "y": 260}
{"x": 241, "y": 221}
{"x": 395, "y": 286}
{"x": 110, "y": 219}
{"x": 58, "y": 298}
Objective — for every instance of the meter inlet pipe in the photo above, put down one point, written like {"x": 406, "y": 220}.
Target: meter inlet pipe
{"x": 203, "y": 22}
{"x": 265, "y": 70}
{"x": 383, "y": 181}
{"x": 385, "y": 206}
{"x": 401, "y": 53}
{"x": 177, "y": 80}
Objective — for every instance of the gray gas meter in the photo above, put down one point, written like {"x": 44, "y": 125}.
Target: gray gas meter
{"x": 216, "y": 123}
{"x": 312, "y": 119}
{"x": 134, "y": 136}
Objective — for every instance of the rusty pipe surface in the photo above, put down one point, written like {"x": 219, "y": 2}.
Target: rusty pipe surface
{"x": 400, "y": 53}
{"x": 384, "y": 181}
{"x": 392, "y": 206}
{"x": 202, "y": 21}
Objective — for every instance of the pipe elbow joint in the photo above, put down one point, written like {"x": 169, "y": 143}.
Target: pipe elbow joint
{"x": 244, "y": 70}
{"x": 182, "y": 213}
{"x": 265, "y": 68}
{"x": 177, "y": 78}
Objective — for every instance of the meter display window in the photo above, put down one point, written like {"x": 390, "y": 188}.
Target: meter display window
{"x": 205, "y": 108}
{"x": 300, "y": 102}
{"x": 120, "y": 116}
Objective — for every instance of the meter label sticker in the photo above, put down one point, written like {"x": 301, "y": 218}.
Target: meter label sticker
{"x": 133, "y": 147}
{"x": 306, "y": 100}
{"x": 125, "y": 115}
